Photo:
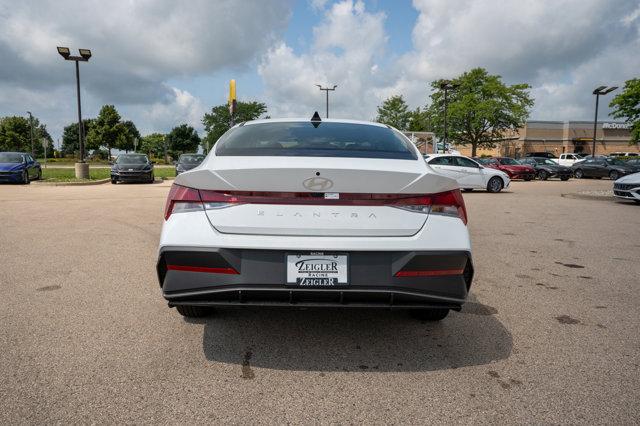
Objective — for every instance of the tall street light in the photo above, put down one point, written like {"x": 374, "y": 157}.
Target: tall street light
{"x": 327, "y": 89}
{"x": 31, "y": 131}
{"x": 446, "y": 85}
{"x": 602, "y": 90}
{"x": 82, "y": 169}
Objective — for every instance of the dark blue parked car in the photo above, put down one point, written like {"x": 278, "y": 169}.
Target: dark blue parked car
{"x": 18, "y": 167}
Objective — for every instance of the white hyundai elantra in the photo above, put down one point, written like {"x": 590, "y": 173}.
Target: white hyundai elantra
{"x": 332, "y": 213}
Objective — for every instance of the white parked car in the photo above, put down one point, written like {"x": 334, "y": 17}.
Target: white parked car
{"x": 315, "y": 213}
{"x": 569, "y": 158}
{"x": 628, "y": 187}
{"x": 468, "y": 173}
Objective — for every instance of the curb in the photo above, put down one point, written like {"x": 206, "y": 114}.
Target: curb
{"x": 87, "y": 183}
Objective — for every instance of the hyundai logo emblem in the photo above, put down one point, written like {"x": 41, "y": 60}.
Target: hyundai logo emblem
{"x": 318, "y": 184}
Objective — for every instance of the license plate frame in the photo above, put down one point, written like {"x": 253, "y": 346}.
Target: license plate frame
{"x": 326, "y": 275}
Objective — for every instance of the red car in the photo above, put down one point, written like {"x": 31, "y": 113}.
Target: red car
{"x": 511, "y": 167}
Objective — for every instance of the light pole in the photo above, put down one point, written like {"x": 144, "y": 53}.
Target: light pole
{"x": 446, "y": 85}
{"x": 327, "y": 89}
{"x": 31, "y": 132}
{"x": 602, "y": 90}
{"x": 82, "y": 169}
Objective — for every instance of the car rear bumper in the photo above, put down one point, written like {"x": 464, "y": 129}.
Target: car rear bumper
{"x": 195, "y": 276}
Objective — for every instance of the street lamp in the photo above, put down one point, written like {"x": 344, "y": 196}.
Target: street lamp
{"x": 82, "y": 169}
{"x": 601, "y": 90}
{"x": 445, "y": 85}
{"x": 31, "y": 132}
{"x": 327, "y": 89}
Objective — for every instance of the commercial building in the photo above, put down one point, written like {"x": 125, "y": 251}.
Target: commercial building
{"x": 558, "y": 137}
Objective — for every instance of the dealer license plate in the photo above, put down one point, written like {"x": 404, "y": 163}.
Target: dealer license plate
{"x": 317, "y": 269}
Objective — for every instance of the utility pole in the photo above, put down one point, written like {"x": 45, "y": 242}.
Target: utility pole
{"x": 31, "y": 131}
{"x": 602, "y": 90}
{"x": 446, "y": 85}
{"x": 327, "y": 89}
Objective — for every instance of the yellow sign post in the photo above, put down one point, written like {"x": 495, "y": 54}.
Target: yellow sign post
{"x": 233, "y": 104}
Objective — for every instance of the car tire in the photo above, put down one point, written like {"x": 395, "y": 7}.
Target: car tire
{"x": 614, "y": 175}
{"x": 528, "y": 179}
{"x": 495, "y": 185}
{"x": 193, "y": 311}
{"x": 543, "y": 175}
{"x": 467, "y": 189}
{"x": 578, "y": 174}
{"x": 564, "y": 178}
{"x": 25, "y": 178}
{"x": 152, "y": 178}
{"x": 434, "y": 314}
{"x": 39, "y": 176}
{"x": 114, "y": 180}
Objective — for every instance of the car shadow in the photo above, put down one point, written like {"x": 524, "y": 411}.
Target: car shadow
{"x": 354, "y": 339}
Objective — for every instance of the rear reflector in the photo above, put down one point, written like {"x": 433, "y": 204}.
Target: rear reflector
{"x": 448, "y": 203}
{"x": 202, "y": 269}
{"x": 435, "y": 273}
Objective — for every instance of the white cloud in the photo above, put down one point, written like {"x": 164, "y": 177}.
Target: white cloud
{"x": 137, "y": 47}
{"x": 180, "y": 107}
{"x": 346, "y": 45}
{"x": 563, "y": 49}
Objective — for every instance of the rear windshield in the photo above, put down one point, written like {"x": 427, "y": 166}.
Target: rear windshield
{"x": 302, "y": 139}
{"x": 191, "y": 159}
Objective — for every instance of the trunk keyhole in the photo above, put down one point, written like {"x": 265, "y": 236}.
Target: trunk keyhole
{"x": 317, "y": 173}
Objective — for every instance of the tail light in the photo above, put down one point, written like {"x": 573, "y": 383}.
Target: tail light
{"x": 182, "y": 199}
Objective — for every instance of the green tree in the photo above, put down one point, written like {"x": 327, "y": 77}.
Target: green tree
{"x": 626, "y": 105}
{"x": 480, "y": 109}
{"x": 218, "y": 121}
{"x": 129, "y": 141}
{"x": 107, "y": 130}
{"x": 153, "y": 145}
{"x": 394, "y": 111}
{"x": 70, "y": 145}
{"x": 15, "y": 134}
{"x": 420, "y": 120}
{"x": 181, "y": 139}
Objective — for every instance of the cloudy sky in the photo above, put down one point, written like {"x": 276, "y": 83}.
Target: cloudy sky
{"x": 166, "y": 62}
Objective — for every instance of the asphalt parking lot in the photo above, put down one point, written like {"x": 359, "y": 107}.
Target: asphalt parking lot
{"x": 550, "y": 334}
